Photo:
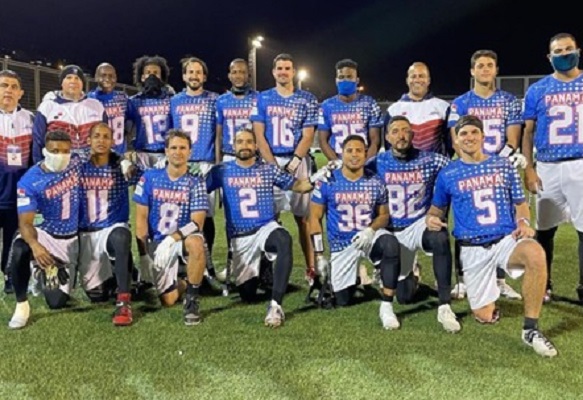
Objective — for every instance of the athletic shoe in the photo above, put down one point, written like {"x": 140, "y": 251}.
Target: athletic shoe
{"x": 20, "y": 316}
{"x": 222, "y": 275}
{"x": 507, "y": 291}
{"x": 541, "y": 345}
{"x": 447, "y": 318}
{"x": 548, "y": 297}
{"x": 122, "y": 315}
{"x": 363, "y": 274}
{"x": 191, "y": 310}
{"x": 8, "y": 288}
{"x": 494, "y": 320}
{"x": 459, "y": 291}
{"x": 388, "y": 317}
{"x": 275, "y": 316}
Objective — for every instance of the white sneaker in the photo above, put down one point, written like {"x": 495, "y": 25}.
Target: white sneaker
{"x": 541, "y": 345}
{"x": 459, "y": 291}
{"x": 507, "y": 291}
{"x": 388, "y": 317}
{"x": 447, "y": 318}
{"x": 222, "y": 275}
{"x": 275, "y": 315}
{"x": 363, "y": 274}
{"x": 20, "y": 316}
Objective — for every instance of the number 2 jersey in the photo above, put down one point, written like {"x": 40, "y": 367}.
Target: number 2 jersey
{"x": 351, "y": 206}
{"x": 557, "y": 109}
{"x": 55, "y": 195}
{"x": 248, "y": 197}
{"x": 409, "y": 183}
{"x": 285, "y": 118}
{"x": 170, "y": 202}
{"x": 482, "y": 196}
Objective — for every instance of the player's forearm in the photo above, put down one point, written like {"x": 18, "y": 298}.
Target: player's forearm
{"x": 305, "y": 142}
{"x": 262, "y": 143}
{"x": 513, "y": 136}
{"x": 325, "y": 146}
{"x": 436, "y": 212}
{"x": 527, "y": 145}
{"x": 301, "y": 186}
{"x": 381, "y": 221}
{"x": 374, "y": 138}
{"x": 28, "y": 233}
{"x": 218, "y": 144}
{"x": 522, "y": 212}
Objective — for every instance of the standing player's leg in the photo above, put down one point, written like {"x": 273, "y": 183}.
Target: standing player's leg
{"x": 19, "y": 265}
{"x": 279, "y": 242}
{"x": 8, "y": 225}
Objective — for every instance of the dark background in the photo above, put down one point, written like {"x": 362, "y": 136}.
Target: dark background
{"x": 383, "y": 36}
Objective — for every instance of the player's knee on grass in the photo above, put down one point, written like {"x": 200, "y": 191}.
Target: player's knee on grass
{"x": 119, "y": 240}
{"x": 343, "y": 298}
{"x": 101, "y": 293}
{"x": 170, "y": 296}
{"x": 406, "y": 289}
{"x": 248, "y": 290}
{"x": 55, "y": 298}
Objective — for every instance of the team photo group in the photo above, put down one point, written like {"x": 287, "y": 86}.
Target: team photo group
{"x": 90, "y": 174}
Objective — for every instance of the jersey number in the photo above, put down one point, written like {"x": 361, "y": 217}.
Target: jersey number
{"x": 493, "y": 134}
{"x": 282, "y": 132}
{"x": 233, "y": 125}
{"x": 401, "y": 207}
{"x": 154, "y": 135}
{"x": 117, "y": 126}
{"x": 189, "y": 124}
{"x": 168, "y": 223}
{"x": 484, "y": 200}
{"x": 566, "y": 120}
{"x": 248, "y": 200}
{"x": 354, "y": 218}
{"x": 97, "y": 205}
{"x": 341, "y": 132}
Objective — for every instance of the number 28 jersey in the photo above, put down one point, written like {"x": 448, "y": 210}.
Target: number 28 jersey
{"x": 170, "y": 202}
{"x": 350, "y": 206}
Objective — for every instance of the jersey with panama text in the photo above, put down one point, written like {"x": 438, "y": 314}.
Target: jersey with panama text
{"x": 116, "y": 108}
{"x": 151, "y": 119}
{"x": 233, "y": 114}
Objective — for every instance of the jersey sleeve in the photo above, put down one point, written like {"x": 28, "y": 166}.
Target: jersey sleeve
{"x": 311, "y": 112}
{"x": 372, "y": 165}
{"x": 323, "y": 119}
{"x": 441, "y": 195}
{"x": 283, "y": 179}
{"x": 515, "y": 112}
{"x": 25, "y": 198}
{"x": 219, "y": 116}
{"x": 383, "y": 195}
{"x": 214, "y": 179}
{"x": 320, "y": 193}
{"x": 516, "y": 188}
{"x": 258, "y": 112}
{"x": 142, "y": 191}
{"x": 530, "y": 105}
{"x": 456, "y": 111}
{"x": 198, "y": 195}
{"x": 376, "y": 115}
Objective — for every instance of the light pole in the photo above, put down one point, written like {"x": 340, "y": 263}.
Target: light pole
{"x": 255, "y": 44}
{"x": 302, "y": 76}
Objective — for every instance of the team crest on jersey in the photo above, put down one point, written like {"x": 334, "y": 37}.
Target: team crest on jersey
{"x": 140, "y": 186}
{"x": 20, "y": 193}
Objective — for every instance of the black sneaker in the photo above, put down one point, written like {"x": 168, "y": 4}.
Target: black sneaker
{"x": 8, "y": 288}
{"x": 191, "y": 310}
{"x": 540, "y": 344}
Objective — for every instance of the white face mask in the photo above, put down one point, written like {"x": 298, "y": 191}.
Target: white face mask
{"x": 56, "y": 162}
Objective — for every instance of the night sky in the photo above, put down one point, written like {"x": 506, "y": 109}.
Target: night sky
{"x": 383, "y": 36}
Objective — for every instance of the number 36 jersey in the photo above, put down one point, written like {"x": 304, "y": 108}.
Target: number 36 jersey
{"x": 409, "y": 183}
{"x": 350, "y": 206}
{"x": 170, "y": 202}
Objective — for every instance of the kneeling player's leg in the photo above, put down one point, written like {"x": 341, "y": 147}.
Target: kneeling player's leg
{"x": 102, "y": 292}
{"x": 194, "y": 271}
{"x": 248, "y": 290}
{"x": 119, "y": 249}
{"x": 209, "y": 237}
{"x": 55, "y": 298}
{"x": 386, "y": 250}
{"x": 279, "y": 242}
{"x": 343, "y": 298}
{"x": 437, "y": 243}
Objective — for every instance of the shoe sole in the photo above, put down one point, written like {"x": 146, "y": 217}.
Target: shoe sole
{"x": 273, "y": 324}
{"x": 122, "y": 323}
{"x": 192, "y": 323}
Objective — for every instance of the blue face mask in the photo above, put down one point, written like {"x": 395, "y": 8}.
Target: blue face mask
{"x": 346, "y": 88}
{"x": 565, "y": 62}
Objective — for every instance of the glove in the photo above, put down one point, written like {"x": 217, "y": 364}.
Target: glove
{"x": 146, "y": 268}
{"x": 515, "y": 157}
{"x": 194, "y": 168}
{"x": 322, "y": 266}
{"x": 363, "y": 239}
{"x": 161, "y": 163}
{"x": 51, "y": 277}
{"x": 293, "y": 164}
{"x": 164, "y": 253}
{"x": 128, "y": 169}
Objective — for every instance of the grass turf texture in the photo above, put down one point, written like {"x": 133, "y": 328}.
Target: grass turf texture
{"x": 340, "y": 354}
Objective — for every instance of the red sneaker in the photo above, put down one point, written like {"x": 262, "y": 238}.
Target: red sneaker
{"x": 123, "y": 310}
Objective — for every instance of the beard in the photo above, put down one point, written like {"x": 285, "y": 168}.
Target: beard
{"x": 245, "y": 155}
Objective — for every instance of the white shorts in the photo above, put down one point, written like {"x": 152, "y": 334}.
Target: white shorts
{"x": 94, "y": 260}
{"x": 147, "y": 160}
{"x": 344, "y": 264}
{"x": 560, "y": 199}
{"x": 228, "y": 157}
{"x": 247, "y": 252}
{"x": 411, "y": 240}
{"x": 297, "y": 203}
{"x": 205, "y": 167}
{"x": 66, "y": 250}
{"x": 479, "y": 266}
{"x": 166, "y": 276}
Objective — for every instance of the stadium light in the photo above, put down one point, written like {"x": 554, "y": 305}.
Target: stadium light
{"x": 302, "y": 76}
{"x": 255, "y": 44}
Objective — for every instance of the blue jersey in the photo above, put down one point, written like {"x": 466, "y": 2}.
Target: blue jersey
{"x": 248, "y": 194}
{"x": 409, "y": 183}
{"x": 343, "y": 119}
{"x": 350, "y": 206}
{"x": 197, "y": 116}
{"x": 54, "y": 195}
{"x": 482, "y": 198}
{"x": 104, "y": 195}
{"x": 234, "y": 113}
{"x": 497, "y": 112}
{"x": 151, "y": 118}
{"x": 15, "y": 153}
{"x": 556, "y": 107}
{"x": 285, "y": 118}
{"x": 116, "y": 108}
{"x": 170, "y": 202}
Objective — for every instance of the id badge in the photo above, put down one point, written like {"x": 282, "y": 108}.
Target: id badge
{"x": 14, "y": 155}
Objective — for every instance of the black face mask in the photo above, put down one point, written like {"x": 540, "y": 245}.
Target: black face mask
{"x": 237, "y": 91}
{"x": 153, "y": 86}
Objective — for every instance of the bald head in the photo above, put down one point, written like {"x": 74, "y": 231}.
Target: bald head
{"x": 418, "y": 80}
{"x": 106, "y": 77}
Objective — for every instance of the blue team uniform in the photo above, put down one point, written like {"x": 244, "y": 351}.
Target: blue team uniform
{"x": 116, "y": 108}
{"x": 234, "y": 113}
{"x": 350, "y": 206}
{"x": 196, "y": 115}
{"x": 248, "y": 194}
{"x": 170, "y": 203}
{"x": 555, "y": 106}
{"x": 104, "y": 195}
{"x": 482, "y": 196}
{"x": 497, "y": 112}
{"x": 285, "y": 118}
{"x": 343, "y": 119}
{"x": 409, "y": 183}
{"x": 151, "y": 118}
{"x": 54, "y": 195}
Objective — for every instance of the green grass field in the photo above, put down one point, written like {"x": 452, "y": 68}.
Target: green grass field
{"x": 318, "y": 354}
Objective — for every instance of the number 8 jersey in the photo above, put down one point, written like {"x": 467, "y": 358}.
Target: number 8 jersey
{"x": 350, "y": 206}
{"x": 170, "y": 202}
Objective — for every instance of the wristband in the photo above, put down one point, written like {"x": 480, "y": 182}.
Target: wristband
{"x": 318, "y": 242}
{"x": 188, "y": 230}
{"x": 525, "y": 220}
{"x": 294, "y": 163}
